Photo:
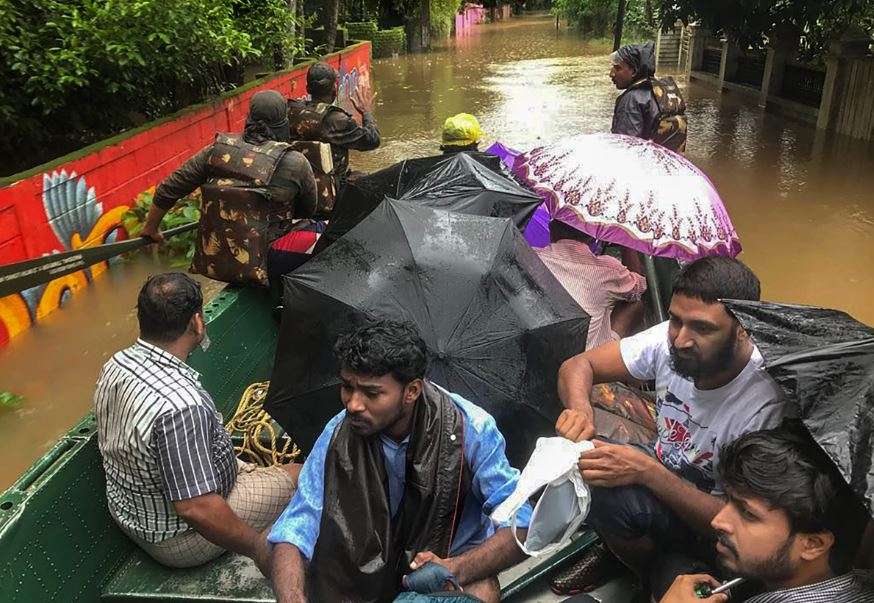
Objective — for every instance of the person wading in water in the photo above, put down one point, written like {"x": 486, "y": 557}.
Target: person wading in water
{"x": 649, "y": 108}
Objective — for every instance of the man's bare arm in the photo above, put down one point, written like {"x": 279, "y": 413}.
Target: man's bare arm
{"x": 494, "y": 555}
{"x": 696, "y": 508}
{"x": 575, "y": 379}
{"x": 213, "y": 519}
{"x": 288, "y": 573}
{"x": 626, "y": 317}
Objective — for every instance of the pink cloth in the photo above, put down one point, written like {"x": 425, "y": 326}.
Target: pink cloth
{"x": 596, "y": 282}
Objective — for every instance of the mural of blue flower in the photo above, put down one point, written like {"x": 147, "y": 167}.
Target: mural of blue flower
{"x": 70, "y": 205}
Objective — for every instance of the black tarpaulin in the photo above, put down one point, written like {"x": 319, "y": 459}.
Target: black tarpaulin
{"x": 361, "y": 195}
{"x": 496, "y": 322}
{"x": 824, "y": 360}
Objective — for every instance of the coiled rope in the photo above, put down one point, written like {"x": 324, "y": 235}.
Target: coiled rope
{"x": 256, "y": 427}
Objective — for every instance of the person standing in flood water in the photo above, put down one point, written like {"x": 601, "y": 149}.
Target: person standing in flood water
{"x": 649, "y": 108}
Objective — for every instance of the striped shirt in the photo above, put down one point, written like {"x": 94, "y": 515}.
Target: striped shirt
{"x": 596, "y": 282}
{"x": 853, "y": 587}
{"x": 161, "y": 439}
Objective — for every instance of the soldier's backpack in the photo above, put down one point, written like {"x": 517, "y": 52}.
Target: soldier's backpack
{"x": 670, "y": 130}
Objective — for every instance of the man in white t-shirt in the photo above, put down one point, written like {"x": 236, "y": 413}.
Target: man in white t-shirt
{"x": 710, "y": 388}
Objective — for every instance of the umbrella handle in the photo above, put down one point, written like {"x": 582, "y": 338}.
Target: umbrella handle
{"x": 655, "y": 289}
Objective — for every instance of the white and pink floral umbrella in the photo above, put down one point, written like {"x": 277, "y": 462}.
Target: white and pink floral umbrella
{"x": 631, "y": 192}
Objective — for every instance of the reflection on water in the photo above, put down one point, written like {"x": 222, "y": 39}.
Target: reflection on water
{"x": 802, "y": 202}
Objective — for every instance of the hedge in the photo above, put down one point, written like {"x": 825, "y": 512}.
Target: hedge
{"x": 363, "y": 30}
{"x": 388, "y": 42}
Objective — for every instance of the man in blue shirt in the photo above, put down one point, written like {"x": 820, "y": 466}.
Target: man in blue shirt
{"x": 407, "y": 474}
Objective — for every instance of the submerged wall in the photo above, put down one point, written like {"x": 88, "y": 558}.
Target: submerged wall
{"x": 77, "y": 200}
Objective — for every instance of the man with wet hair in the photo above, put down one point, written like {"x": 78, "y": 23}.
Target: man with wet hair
{"x": 173, "y": 484}
{"x": 653, "y": 507}
{"x": 398, "y": 487}
{"x": 319, "y": 119}
{"x": 790, "y": 523}
{"x": 648, "y": 108}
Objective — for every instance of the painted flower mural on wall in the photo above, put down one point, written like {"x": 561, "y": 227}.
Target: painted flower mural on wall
{"x": 78, "y": 220}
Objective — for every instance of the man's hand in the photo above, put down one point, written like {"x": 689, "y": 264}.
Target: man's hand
{"x": 611, "y": 465}
{"x": 363, "y": 97}
{"x": 683, "y": 590}
{"x": 575, "y": 425}
{"x": 151, "y": 229}
{"x": 152, "y": 233}
{"x": 428, "y": 557}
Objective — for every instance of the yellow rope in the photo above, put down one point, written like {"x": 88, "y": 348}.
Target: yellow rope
{"x": 251, "y": 420}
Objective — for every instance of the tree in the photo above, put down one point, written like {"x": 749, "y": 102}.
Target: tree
{"x": 328, "y": 19}
{"x": 750, "y": 22}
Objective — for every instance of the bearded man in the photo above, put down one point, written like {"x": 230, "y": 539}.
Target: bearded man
{"x": 653, "y": 508}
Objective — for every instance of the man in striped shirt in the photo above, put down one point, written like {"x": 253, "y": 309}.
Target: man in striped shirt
{"x": 790, "y": 524}
{"x": 173, "y": 484}
{"x": 605, "y": 288}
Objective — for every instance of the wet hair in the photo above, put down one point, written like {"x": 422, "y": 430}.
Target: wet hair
{"x": 320, "y": 80}
{"x": 786, "y": 468}
{"x": 558, "y": 231}
{"x": 717, "y": 277}
{"x": 166, "y": 304}
{"x": 384, "y": 347}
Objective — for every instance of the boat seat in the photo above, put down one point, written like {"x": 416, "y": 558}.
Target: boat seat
{"x": 231, "y": 577}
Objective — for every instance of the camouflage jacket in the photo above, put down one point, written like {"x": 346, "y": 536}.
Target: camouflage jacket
{"x": 250, "y": 193}
{"x": 331, "y": 124}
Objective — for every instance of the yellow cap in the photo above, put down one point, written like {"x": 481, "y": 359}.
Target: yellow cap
{"x": 461, "y": 130}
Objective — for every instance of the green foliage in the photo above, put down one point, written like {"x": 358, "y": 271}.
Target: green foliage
{"x": 388, "y": 42}
{"x": 361, "y": 31}
{"x": 271, "y": 29}
{"x": 443, "y": 14}
{"x": 179, "y": 248}
{"x": 751, "y": 22}
{"x": 596, "y": 18}
{"x": 77, "y": 71}
{"x": 360, "y": 11}
{"x": 10, "y": 400}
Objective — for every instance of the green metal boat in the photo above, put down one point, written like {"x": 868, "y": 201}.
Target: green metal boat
{"x": 58, "y": 542}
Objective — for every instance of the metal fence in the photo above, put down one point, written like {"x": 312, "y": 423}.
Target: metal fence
{"x": 711, "y": 60}
{"x": 802, "y": 84}
{"x": 750, "y": 70}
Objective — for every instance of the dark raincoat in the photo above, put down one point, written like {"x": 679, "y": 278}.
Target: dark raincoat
{"x": 637, "y": 112}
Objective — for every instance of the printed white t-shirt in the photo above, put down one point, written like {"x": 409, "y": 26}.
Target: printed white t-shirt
{"x": 693, "y": 424}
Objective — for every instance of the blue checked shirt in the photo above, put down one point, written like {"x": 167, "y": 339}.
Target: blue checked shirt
{"x": 493, "y": 480}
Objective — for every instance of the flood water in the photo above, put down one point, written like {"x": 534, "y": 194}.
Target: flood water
{"x": 802, "y": 203}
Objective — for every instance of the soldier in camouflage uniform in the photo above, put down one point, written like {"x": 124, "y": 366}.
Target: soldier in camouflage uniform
{"x": 651, "y": 108}
{"x": 320, "y": 119}
{"x": 253, "y": 185}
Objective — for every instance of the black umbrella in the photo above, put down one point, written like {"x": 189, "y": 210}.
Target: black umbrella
{"x": 497, "y": 323}
{"x": 824, "y": 361}
{"x": 472, "y": 173}
{"x": 463, "y": 184}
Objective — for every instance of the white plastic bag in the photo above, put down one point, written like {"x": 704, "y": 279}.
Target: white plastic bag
{"x": 564, "y": 504}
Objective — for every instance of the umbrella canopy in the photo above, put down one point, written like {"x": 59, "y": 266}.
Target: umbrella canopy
{"x": 464, "y": 185}
{"x": 631, "y": 192}
{"x": 496, "y": 322}
{"x": 361, "y": 195}
{"x": 537, "y": 230}
{"x": 824, "y": 361}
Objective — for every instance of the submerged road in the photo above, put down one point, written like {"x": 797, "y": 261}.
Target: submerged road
{"x": 802, "y": 202}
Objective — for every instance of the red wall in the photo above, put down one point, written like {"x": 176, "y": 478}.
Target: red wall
{"x": 120, "y": 169}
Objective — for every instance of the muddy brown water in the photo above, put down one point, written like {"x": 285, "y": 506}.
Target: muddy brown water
{"x": 803, "y": 203}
